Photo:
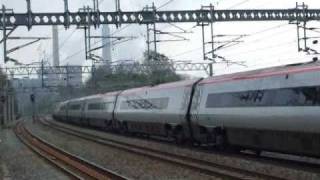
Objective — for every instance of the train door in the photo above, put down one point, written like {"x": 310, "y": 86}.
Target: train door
{"x": 83, "y": 118}
{"x": 66, "y": 112}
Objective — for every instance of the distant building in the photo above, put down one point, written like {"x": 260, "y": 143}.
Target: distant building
{"x": 25, "y": 83}
{"x": 68, "y": 78}
{"x": 73, "y": 79}
{"x": 24, "y": 88}
{"x": 106, "y": 41}
{"x": 55, "y": 46}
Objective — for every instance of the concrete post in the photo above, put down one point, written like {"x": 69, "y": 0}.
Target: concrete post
{"x": 2, "y": 109}
{"x": 13, "y": 114}
{"x": 5, "y": 110}
{"x": 9, "y": 109}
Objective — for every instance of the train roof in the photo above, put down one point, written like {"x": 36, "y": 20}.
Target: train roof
{"x": 266, "y": 72}
{"x": 111, "y": 93}
{"x": 186, "y": 83}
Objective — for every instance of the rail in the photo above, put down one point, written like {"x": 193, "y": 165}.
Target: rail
{"x": 202, "y": 166}
{"x": 74, "y": 166}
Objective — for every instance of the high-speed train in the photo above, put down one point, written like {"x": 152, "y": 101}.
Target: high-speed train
{"x": 274, "y": 109}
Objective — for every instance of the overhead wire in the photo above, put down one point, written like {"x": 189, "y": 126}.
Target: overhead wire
{"x": 81, "y": 50}
{"x": 66, "y": 39}
{"x": 263, "y": 48}
{"x": 252, "y": 34}
{"x": 187, "y": 52}
{"x": 273, "y": 35}
{"x": 238, "y": 4}
{"x": 165, "y": 4}
{"x": 117, "y": 31}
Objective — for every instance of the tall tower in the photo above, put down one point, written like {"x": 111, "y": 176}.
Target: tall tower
{"x": 106, "y": 50}
{"x": 55, "y": 46}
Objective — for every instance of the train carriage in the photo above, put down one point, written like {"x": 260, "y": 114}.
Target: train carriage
{"x": 159, "y": 110}
{"x": 75, "y": 111}
{"x": 99, "y": 110}
{"x": 275, "y": 109}
{"x": 60, "y": 111}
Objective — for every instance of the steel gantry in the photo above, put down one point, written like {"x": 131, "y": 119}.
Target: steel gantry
{"x": 10, "y": 20}
{"x": 126, "y": 68}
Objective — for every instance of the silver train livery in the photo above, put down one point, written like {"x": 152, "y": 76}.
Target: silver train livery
{"x": 275, "y": 109}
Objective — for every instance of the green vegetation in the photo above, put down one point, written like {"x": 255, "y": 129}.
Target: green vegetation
{"x": 2, "y": 80}
{"x": 154, "y": 69}
{"x": 5, "y": 89}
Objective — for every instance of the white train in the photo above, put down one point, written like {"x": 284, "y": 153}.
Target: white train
{"x": 276, "y": 109}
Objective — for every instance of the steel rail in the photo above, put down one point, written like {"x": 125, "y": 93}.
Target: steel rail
{"x": 203, "y": 166}
{"x": 73, "y": 165}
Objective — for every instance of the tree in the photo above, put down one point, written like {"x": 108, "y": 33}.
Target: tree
{"x": 6, "y": 88}
{"x": 156, "y": 69}
{"x": 160, "y": 67}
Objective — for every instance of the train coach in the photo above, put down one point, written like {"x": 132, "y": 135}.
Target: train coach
{"x": 159, "y": 110}
{"x": 275, "y": 109}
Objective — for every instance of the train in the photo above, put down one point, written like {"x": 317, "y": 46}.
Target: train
{"x": 273, "y": 109}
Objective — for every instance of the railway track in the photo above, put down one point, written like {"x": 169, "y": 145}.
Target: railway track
{"x": 75, "y": 167}
{"x": 203, "y": 166}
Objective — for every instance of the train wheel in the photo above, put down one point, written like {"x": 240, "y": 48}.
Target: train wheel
{"x": 179, "y": 137}
{"x": 169, "y": 134}
{"x": 221, "y": 142}
{"x": 257, "y": 152}
{"x": 124, "y": 128}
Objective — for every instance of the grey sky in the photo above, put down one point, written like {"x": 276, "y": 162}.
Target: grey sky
{"x": 267, "y": 48}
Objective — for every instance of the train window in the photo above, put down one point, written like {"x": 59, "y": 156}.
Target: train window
{"x": 154, "y": 103}
{"x": 94, "y": 106}
{"x": 75, "y": 107}
{"x": 63, "y": 108}
{"x": 106, "y": 105}
{"x": 301, "y": 96}
{"x": 98, "y": 106}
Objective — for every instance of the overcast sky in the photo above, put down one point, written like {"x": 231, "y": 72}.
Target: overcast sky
{"x": 266, "y": 43}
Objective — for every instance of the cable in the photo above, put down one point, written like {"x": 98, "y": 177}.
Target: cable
{"x": 187, "y": 52}
{"x": 78, "y": 52}
{"x": 252, "y": 34}
{"x": 81, "y": 50}
{"x": 63, "y": 43}
{"x": 267, "y": 36}
{"x": 121, "y": 29}
{"x": 165, "y": 4}
{"x": 238, "y": 4}
{"x": 261, "y": 38}
{"x": 268, "y": 29}
{"x": 66, "y": 39}
{"x": 267, "y": 59}
{"x": 263, "y": 48}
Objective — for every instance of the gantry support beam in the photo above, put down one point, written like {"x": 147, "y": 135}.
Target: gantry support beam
{"x": 147, "y": 17}
{"x": 129, "y": 68}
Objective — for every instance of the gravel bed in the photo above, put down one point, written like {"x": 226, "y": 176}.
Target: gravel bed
{"x": 1, "y": 169}
{"x": 127, "y": 164}
{"x": 22, "y": 163}
{"x": 284, "y": 172}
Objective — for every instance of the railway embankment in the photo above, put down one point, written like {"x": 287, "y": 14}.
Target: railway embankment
{"x": 17, "y": 162}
